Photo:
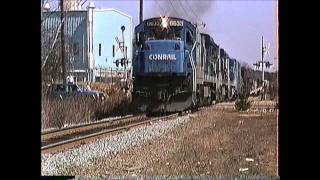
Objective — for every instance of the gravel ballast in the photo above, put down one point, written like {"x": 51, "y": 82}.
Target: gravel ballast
{"x": 54, "y": 164}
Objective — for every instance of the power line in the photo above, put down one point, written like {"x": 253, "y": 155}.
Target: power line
{"x": 174, "y": 8}
{"x": 184, "y": 10}
{"x": 163, "y": 11}
{"x": 82, "y": 3}
{"x": 197, "y": 17}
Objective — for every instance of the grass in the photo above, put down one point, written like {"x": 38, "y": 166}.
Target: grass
{"x": 216, "y": 144}
{"x": 56, "y": 113}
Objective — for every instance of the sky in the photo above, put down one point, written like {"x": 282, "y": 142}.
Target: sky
{"x": 235, "y": 25}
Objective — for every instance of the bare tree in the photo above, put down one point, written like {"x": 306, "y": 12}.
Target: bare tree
{"x": 247, "y": 75}
{"x": 51, "y": 55}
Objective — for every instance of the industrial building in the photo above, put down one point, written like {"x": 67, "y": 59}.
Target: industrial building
{"x": 98, "y": 42}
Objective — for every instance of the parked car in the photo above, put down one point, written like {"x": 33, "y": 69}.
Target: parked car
{"x": 74, "y": 91}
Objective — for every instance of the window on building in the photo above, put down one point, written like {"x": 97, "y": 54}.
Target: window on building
{"x": 76, "y": 49}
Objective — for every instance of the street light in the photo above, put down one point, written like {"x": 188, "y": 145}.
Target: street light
{"x": 123, "y": 28}
{"x": 46, "y": 7}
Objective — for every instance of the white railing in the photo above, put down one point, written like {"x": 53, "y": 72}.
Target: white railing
{"x": 194, "y": 71}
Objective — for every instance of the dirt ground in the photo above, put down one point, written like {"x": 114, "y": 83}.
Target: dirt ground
{"x": 215, "y": 142}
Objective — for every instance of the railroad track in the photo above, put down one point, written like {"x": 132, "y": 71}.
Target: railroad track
{"x": 70, "y": 137}
{"x": 53, "y": 134}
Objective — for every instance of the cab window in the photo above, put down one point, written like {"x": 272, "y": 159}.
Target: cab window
{"x": 189, "y": 40}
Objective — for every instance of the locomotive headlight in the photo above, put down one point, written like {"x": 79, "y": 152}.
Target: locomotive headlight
{"x": 164, "y": 22}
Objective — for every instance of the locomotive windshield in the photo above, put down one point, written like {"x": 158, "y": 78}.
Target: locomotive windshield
{"x": 158, "y": 33}
{"x": 164, "y": 28}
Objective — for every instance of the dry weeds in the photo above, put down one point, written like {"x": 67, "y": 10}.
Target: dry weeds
{"x": 56, "y": 113}
{"x": 216, "y": 143}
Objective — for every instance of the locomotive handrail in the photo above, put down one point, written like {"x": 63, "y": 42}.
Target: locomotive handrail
{"x": 194, "y": 70}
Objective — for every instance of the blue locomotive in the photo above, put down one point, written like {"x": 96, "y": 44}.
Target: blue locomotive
{"x": 175, "y": 67}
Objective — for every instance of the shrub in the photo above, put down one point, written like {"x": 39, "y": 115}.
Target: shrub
{"x": 57, "y": 113}
{"x": 242, "y": 103}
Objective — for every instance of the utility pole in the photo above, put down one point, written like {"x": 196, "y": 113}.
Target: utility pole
{"x": 262, "y": 48}
{"x": 42, "y": 4}
{"x": 263, "y": 63}
{"x": 64, "y": 80}
{"x": 111, "y": 75}
{"x": 100, "y": 75}
{"x": 141, "y": 11}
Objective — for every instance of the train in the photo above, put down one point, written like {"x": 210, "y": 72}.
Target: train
{"x": 176, "y": 67}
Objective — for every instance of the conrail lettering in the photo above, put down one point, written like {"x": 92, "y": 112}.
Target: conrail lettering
{"x": 165, "y": 57}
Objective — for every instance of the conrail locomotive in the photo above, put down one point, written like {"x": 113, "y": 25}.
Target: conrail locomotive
{"x": 175, "y": 67}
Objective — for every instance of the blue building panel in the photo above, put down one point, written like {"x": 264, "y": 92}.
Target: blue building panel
{"x": 106, "y": 28}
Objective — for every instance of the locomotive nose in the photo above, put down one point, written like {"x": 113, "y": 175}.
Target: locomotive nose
{"x": 164, "y": 56}
{"x": 164, "y": 45}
